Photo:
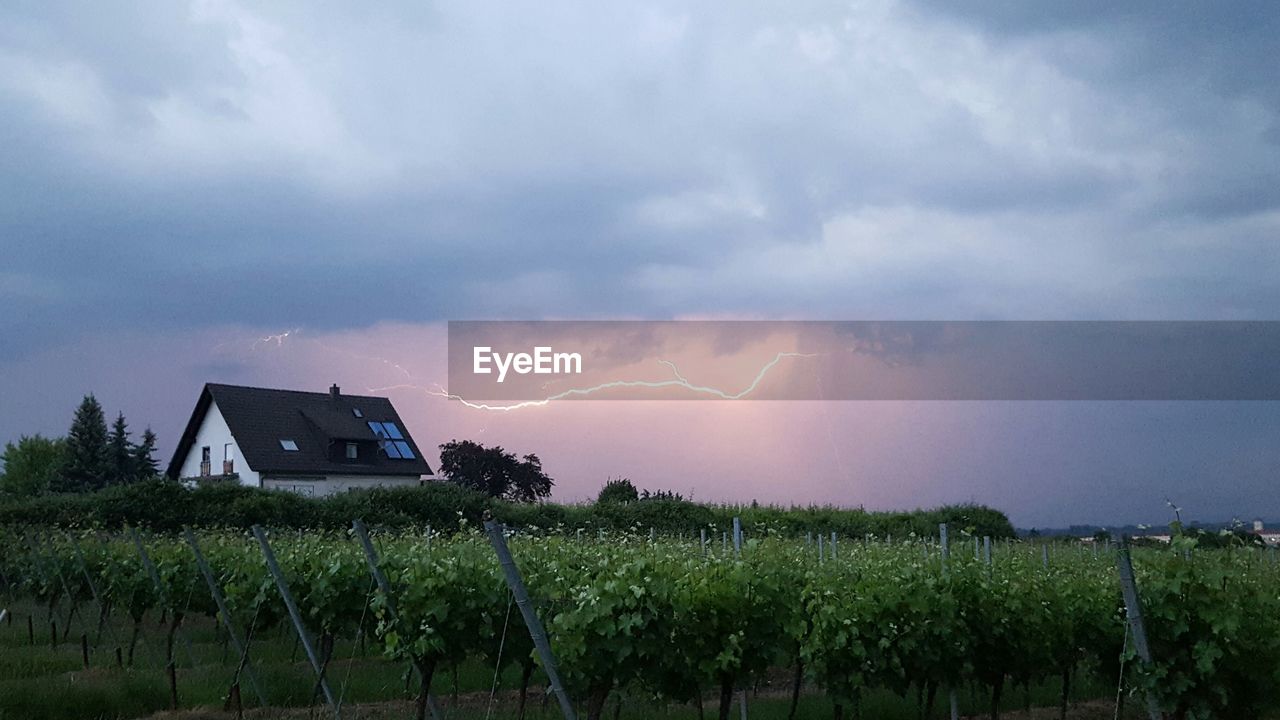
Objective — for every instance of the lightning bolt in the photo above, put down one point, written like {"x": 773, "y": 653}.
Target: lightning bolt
{"x": 277, "y": 338}
{"x": 679, "y": 381}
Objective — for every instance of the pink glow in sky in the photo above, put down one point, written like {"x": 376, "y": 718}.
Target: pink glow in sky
{"x": 1046, "y": 464}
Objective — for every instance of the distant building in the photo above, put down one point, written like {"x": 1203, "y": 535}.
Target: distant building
{"x": 309, "y": 443}
{"x": 1270, "y": 537}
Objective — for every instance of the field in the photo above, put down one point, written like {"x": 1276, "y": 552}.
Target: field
{"x": 640, "y": 626}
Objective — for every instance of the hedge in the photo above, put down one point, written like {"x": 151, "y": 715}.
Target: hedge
{"x": 167, "y": 506}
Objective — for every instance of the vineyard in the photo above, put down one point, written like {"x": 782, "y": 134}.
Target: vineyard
{"x": 694, "y": 624}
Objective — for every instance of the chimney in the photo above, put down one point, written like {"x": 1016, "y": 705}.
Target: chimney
{"x": 334, "y": 391}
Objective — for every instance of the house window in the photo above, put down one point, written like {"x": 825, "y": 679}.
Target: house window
{"x": 289, "y": 445}
{"x": 357, "y": 413}
{"x": 205, "y": 470}
{"x": 204, "y": 454}
{"x": 352, "y": 451}
{"x": 228, "y": 458}
{"x": 391, "y": 440}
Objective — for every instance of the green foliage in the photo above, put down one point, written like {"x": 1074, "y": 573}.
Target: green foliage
{"x": 1213, "y": 623}
{"x": 31, "y": 466}
{"x": 88, "y": 465}
{"x": 119, "y": 453}
{"x": 494, "y": 471}
{"x": 448, "y": 601}
{"x": 143, "y": 457}
{"x": 620, "y": 490}
{"x": 90, "y": 458}
{"x": 1225, "y": 538}
{"x": 678, "y": 620}
{"x": 166, "y": 506}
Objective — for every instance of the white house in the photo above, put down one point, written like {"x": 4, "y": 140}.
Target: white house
{"x": 309, "y": 443}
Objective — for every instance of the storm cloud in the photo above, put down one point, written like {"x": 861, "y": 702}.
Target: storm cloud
{"x": 171, "y": 168}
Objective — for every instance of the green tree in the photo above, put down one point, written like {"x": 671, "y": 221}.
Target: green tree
{"x": 144, "y": 462}
{"x": 620, "y": 491}
{"x": 120, "y": 453}
{"x": 494, "y": 471}
{"x": 88, "y": 464}
{"x": 31, "y": 467}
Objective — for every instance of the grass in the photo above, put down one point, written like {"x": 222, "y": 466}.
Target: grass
{"x": 43, "y": 681}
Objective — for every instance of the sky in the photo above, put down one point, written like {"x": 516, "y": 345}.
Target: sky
{"x": 184, "y": 183}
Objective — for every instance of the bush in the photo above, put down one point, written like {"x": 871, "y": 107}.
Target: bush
{"x": 621, "y": 490}
{"x": 166, "y": 506}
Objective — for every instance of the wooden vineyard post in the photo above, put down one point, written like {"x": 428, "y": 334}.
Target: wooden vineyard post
{"x": 833, "y": 545}
{"x": 371, "y": 557}
{"x": 8, "y": 591}
{"x": 171, "y": 661}
{"x": 160, "y": 592}
{"x": 531, "y": 621}
{"x": 1133, "y": 612}
{"x": 296, "y": 618}
{"x": 986, "y": 551}
{"x": 242, "y": 649}
{"x": 66, "y": 588}
{"x": 703, "y": 535}
{"x": 737, "y": 552}
{"x": 36, "y": 545}
{"x": 945, "y": 546}
{"x": 93, "y": 589}
{"x": 38, "y": 565}
{"x": 1044, "y": 555}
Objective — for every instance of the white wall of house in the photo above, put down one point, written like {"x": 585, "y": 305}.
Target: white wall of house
{"x": 215, "y": 435}
{"x": 332, "y": 484}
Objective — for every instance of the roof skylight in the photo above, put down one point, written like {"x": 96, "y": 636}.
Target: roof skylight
{"x": 289, "y": 445}
{"x": 391, "y": 440}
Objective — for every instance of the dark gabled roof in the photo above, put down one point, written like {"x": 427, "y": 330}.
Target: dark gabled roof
{"x": 259, "y": 418}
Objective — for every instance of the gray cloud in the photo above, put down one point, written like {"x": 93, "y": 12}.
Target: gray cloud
{"x": 172, "y": 165}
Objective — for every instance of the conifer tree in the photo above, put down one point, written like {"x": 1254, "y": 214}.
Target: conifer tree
{"x": 120, "y": 453}
{"x": 88, "y": 464}
{"x": 144, "y": 462}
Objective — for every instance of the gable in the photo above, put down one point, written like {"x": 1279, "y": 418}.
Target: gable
{"x": 267, "y": 424}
